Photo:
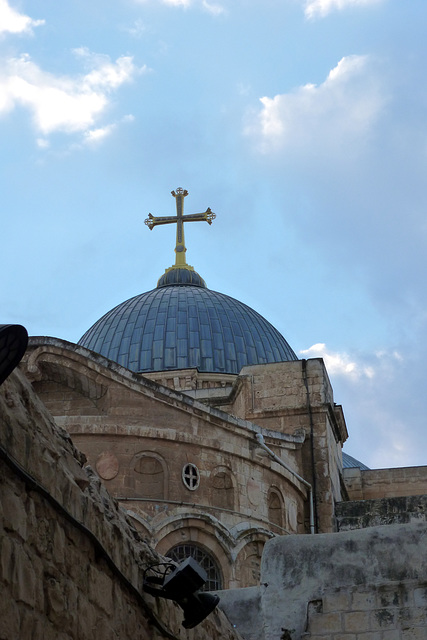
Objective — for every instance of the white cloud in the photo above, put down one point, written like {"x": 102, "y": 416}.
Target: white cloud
{"x": 13, "y": 22}
{"x": 105, "y": 74}
{"x": 329, "y": 116}
{"x": 339, "y": 363}
{"x": 212, "y": 8}
{"x": 321, "y": 8}
{"x": 63, "y": 103}
{"x": 137, "y": 30}
{"x": 94, "y": 136}
{"x": 42, "y": 143}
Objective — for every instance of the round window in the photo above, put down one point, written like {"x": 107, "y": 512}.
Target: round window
{"x": 191, "y": 476}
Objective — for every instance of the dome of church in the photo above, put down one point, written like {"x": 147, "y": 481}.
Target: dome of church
{"x": 180, "y": 326}
{"x": 184, "y": 325}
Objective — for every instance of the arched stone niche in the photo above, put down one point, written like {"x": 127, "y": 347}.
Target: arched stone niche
{"x": 222, "y": 483}
{"x": 293, "y": 516}
{"x": 151, "y": 476}
{"x": 276, "y": 507}
{"x": 248, "y": 563}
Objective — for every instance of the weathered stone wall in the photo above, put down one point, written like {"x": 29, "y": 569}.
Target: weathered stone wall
{"x": 292, "y": 397}
{"x": 372, "y": 484}
{"x": 385, "y": 612}
{"x": 369, "y": 584}
{"x": 359, "y": 514}
{"x": 71, "y": 563}
{"x": 139, "y": 436}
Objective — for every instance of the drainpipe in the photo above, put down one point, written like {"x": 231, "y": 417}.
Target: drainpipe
{"x": 260, "y": 440}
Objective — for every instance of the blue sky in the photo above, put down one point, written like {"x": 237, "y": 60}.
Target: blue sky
{"x": 301, "y": 123}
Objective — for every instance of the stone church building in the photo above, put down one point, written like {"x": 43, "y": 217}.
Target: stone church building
{"x": 166, "y": 395}
{"x": 216, "y": 440}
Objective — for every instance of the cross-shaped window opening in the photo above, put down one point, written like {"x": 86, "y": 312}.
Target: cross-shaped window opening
{"x": 191, "y": 476}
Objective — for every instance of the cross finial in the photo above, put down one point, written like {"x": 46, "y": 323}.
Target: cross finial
{"x": 180, "y": 218}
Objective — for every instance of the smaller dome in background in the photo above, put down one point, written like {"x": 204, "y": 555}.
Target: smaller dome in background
{"x": 348, "y": 462}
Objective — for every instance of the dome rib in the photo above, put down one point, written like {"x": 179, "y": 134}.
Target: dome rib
{"x": 186, "y": 326}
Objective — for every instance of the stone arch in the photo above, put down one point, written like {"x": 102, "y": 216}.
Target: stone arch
{"x": 223, "y": 486}
{"x": 198, "y": 530}
{"x": 140, "y": 523}
{"x": 249, "y": 547}
{"x": 276, "y": 508}
{"x": 248, "y": 562}
{"x": 150, "y": 473}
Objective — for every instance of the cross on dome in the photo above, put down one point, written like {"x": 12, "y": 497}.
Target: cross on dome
{"x": 180, "y": 249}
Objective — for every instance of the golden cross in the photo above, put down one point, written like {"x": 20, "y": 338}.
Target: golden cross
{"x": 180, "y": 218}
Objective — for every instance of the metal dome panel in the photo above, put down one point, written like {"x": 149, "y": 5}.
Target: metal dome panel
{"x": 181, "y": 327}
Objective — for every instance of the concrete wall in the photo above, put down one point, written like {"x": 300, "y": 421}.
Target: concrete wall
{"x": 71, "y": 563}
{"x": 360, "y": 585}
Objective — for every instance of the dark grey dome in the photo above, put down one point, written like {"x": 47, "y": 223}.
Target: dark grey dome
{"x": 348, "y": 462}
{"x": 179, "y": 326}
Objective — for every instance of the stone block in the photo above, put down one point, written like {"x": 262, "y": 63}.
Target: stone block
{"x": 356, "y": 621}
{"x": 6, "y": 557}
{"x": 100, "y": 589}
{"x": 23, "y": 577}
{"x": 391, "y": 634}
{"x": 338, "y": 601}
{"x": 103, "y": 629}
{"x": 55, "y": 599}
{"x": 383, "y": 619}
{"x": 408, "y": 616}
{"x": 76, "y": 567}
{"x": 44, "y": 630}
{"x": 363, "y": 600}
{"x": 420, "y": 597}
{"x": 9, "y": 616}
{"x": 58, "y": 544}
{"x": 87, "y": 616}
{"x": 14, "y": 514}
{"x": 30, "y": 625}
{"x": 394, "y": 596}
{"x": 39, "y": 569}
{"x": 414, "y": 633}
{"x": 325, "y": 623}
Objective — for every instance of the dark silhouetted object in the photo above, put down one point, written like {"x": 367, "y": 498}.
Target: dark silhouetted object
{"x": 182, "y": 584}
{"x": 13, "y": 342}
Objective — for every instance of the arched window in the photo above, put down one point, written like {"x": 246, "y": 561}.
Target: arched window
{"x": 275, "y": 507}
{"x": 182, "y": 551}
